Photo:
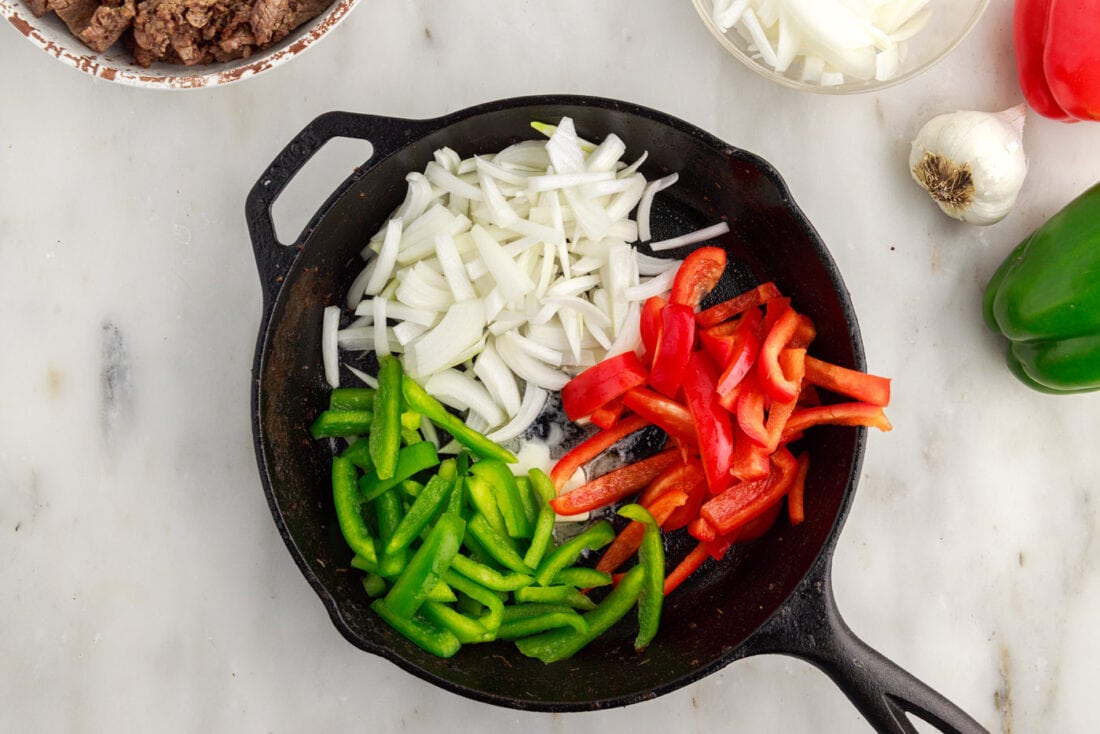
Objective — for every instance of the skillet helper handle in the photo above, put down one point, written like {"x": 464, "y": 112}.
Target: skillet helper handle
{"x": 810, "y": 627}
{"x": 386, "y": 135}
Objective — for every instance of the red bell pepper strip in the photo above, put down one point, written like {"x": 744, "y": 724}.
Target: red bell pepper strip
{"x": 778, "y": 415}
{"x": 805, "y": 333}
{"x": 600, "y": 383}
{"x": 841, "y": 414}
{"x": 749, "y": 461}
{"x": 713, "y": 428}
{"x": 685, "y": 568}
{"x": 614, "y": 485}
{"x": 748, "y": 500}
{"x": 777, "y": 385}
{"x": 697, "y": 276}
{"x": 851, "y": 383}
{"x": 592, "y": 447}
{"x": 695, "y": 488}
{"x": 701, "y": 529}
{"x": 607, "y": 414}
{"x": 673, "y": 347}
{"x": 796, "y": 509}
{"x": 726, "y": 310}
{"x": 670, "y": 416}
{"x": 756, "y": 528}
{"x": 1029, "y": 36}
{"x": 718, "y": 341}
{"x": 649, "y": 326}
{"x": 745, "y": 348}
{"x": 750, "y": 410}
{"x": 676, "y": 476}
{"x": 630, "y": 537}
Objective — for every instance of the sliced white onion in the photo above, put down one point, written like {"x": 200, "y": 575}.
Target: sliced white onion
{"x": 534, "y": 398}
{"x": 447, "y": 343}
{"x": 498, "y": 379}
{"x": 387, "y": 257}
{"x": 646, "y": 203}
{"x": 527, "y": 367}
{"x": 330, "y": 355}
{"x": 691, "y": 238}
{"x": 654, "y": 286}
{"x": 368, "y": 380}
{"x": 453, "y": 268}
{"x": 461, "y": 391}
{"x": 510, "y": 278}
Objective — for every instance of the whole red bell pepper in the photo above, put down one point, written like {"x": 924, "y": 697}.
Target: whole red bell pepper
{"x": 1058, "y": 57}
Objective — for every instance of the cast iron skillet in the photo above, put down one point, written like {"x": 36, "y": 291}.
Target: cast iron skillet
{"x": 773, "y": 596}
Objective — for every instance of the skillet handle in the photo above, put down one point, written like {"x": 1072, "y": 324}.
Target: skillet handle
{"x": 385, "y": 134}
{"x": 810, "y": 627}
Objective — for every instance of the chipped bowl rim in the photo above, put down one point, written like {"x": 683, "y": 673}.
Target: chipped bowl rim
{"x": 116, "y": 64}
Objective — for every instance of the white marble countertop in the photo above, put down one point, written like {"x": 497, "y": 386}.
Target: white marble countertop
{"x": 145, "y": 587}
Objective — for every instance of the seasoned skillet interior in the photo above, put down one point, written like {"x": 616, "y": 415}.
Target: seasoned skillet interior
{"x": 705, "y": 621}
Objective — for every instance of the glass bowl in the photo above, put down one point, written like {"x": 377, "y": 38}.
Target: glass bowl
{"x": 936, "y": 28}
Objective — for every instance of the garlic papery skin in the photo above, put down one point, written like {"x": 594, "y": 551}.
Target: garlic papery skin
{"x": 972, "y": 163}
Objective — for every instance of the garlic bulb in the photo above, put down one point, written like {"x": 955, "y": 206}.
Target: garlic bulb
{"x": 972, "y": 163}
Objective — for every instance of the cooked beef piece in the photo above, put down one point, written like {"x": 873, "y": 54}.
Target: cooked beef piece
{"x": 99, "y": 25}
{"x": 266, "y": 17}
{"x": 38, "y": 7}
{"x": 108, "y": 24}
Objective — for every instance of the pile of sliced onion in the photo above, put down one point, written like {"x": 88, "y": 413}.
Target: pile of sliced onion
{"x": 500, "y": 276}
{"x": 831, "y": 40}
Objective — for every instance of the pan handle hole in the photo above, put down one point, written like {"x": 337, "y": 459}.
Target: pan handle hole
{"x": 310, "y": 187}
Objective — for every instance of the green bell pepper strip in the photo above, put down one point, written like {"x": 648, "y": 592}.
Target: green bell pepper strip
{"x": 341, "y": 423}
{"x": 543, "y": 533}
{"x": 359, "y": 454}
{"x": 528, "y": 499}
{"x": 374, "y": 585}
{"x": 560, "y": 644}
{"x": 388, "y": 513}
{"x": 489, "y": 577}
{"x": 525, "y": 626}
{"x": 483, "y": 497}
{"x": 441, "y": 592}
{"x": 566, "y": 554}
{"x": 424, "y": 509}
{"x": 466, "y": 629}
{"x": 365, "y": 564}
{"x": 426, "y": 566}
{"x": 456, "y": 505}
{"x": 568, "y": 596}
{"x": 439, "y": 642}
{"x": 497, "y": 545}
{"x": 419, "y": 400}
{"x": 488, "y": 598}
{"x": 351, "y": 398}
{"x": 651, "y": 557}
{"x": 349, "y": 514}
{"x": 411, "y": 460}
{"x": 1045, "y": 299}
{"x": 385, "y": 429}
{"x": 506, "y": 493}
{"x": 582, "y": 577}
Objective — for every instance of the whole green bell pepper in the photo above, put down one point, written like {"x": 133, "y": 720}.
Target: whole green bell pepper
{"x": 1045, "y": 299}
